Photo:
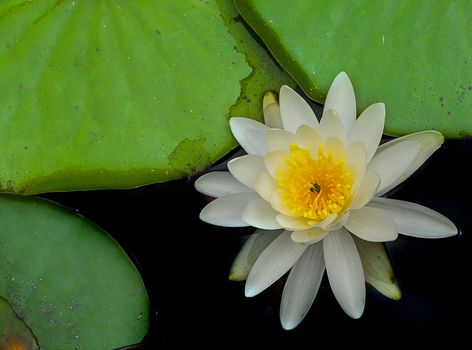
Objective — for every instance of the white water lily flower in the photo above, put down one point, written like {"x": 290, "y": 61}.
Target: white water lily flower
{"x": 318, "y": 183}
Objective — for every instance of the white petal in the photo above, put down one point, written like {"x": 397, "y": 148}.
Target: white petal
{"x": 227, "y": 210}
{"x": 341, "y": 99}
{"x": 219, "y": 183}
{"x": 345, "y": 272}
{"x": 334, "y": 146}
{"x": 275, "y": 161}
{"x": 358, "y": 158}
{"x": 369, "y": 185}
{"x": 256, "y": 140}
{"x": 265, "y": 185}
{"x": 332, "y": 126}
{"x": 311, "y": 235}
{"x": 294, "y": 110}
{"x": 372, "y": 224}
{"x": 369, "y": 127}
{"x": 393, "y": 162}
{"x": 307, "y": 137}
{"x": 260, "y": 214}
{"x": 429, "y": 142}
{"x": 273, "y": 263}
{"x": 240, "y": 127}
{"x": 377, "y": 268}
{"x": 302, "y": 286}
{"x": 251, "y": 250}
{"x": 271, "y": 110}
{"x": 277, "y": 203}
{"x": 246, "y": 169}
{"x": 279, "y": 140}
{"x": 323, "y": 223}
{"x": 337, "y": 224}
{"x": 416, "y": 220}
{"x": 292, "y": 223}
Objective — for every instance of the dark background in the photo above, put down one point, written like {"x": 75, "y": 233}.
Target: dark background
{"x": 185, "y": 263}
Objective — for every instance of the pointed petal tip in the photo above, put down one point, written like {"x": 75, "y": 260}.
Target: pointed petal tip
{"x": 271, "y": 110}
{"x": 246, "y": 169}
{"x": 342, "y": 99}
{"x": 218, "y": 184}
{"x": 226, "y": 211}
{"x": 342, "y": 74}
{"x": 380, "y": 106}
{"x": 270, "y": 97}
{"x": 284, "y": 91}
{"x": 453, "y": 231}
{"x": 416, "y": 220}
{"x": 235, "y": 277}
{"x": 357, "y": 312}
{"x": 396, "y": 294}
{"x": 197, "y": 184}
{"x": 285, "y": 88}
{"x": 205, "y": 217}
{"x": 429, "y": 141}
{"x": 250, "y": 292}
{"x": 203, "y": 213}
{"x": 439, "y": 136}
{"x": 434, "y": 135}
{"x": 294, "y": 110}
{"x": 234, "y": 120}
{"x": 342, "y": 77}
{"x": 380, "y": 110}
{"x": 387, "y": 287}
{"x": 248, "y": 132}
{"x": 288, "y": 325}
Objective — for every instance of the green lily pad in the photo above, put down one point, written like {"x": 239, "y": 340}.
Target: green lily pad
{"x": 67, "y": 279}
{"x": 117, "y": 94}
{"x": 415, "y": 56}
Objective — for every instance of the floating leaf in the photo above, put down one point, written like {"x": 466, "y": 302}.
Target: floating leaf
{"x": 412, "y": 55}
{"x": 67, "y": 279}
{"x": 116, "y": 94}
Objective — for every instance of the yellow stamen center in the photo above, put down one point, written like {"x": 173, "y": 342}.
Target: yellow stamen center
{"x": 314, "y": 188}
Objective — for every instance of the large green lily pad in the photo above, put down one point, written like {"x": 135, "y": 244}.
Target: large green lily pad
{"x": 415, "y": 56}
{"x": 116, "y": 94}
{"x": 70, "y": 281}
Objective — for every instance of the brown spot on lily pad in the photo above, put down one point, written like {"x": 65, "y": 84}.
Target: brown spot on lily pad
{"x": 15, "y": 334}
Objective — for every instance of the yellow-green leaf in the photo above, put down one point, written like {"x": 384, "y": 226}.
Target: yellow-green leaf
{"x": 412, "y": 55}
{"x": 122, "y": 93}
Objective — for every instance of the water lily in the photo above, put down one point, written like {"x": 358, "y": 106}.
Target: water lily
{"x": 314, "y": 185}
